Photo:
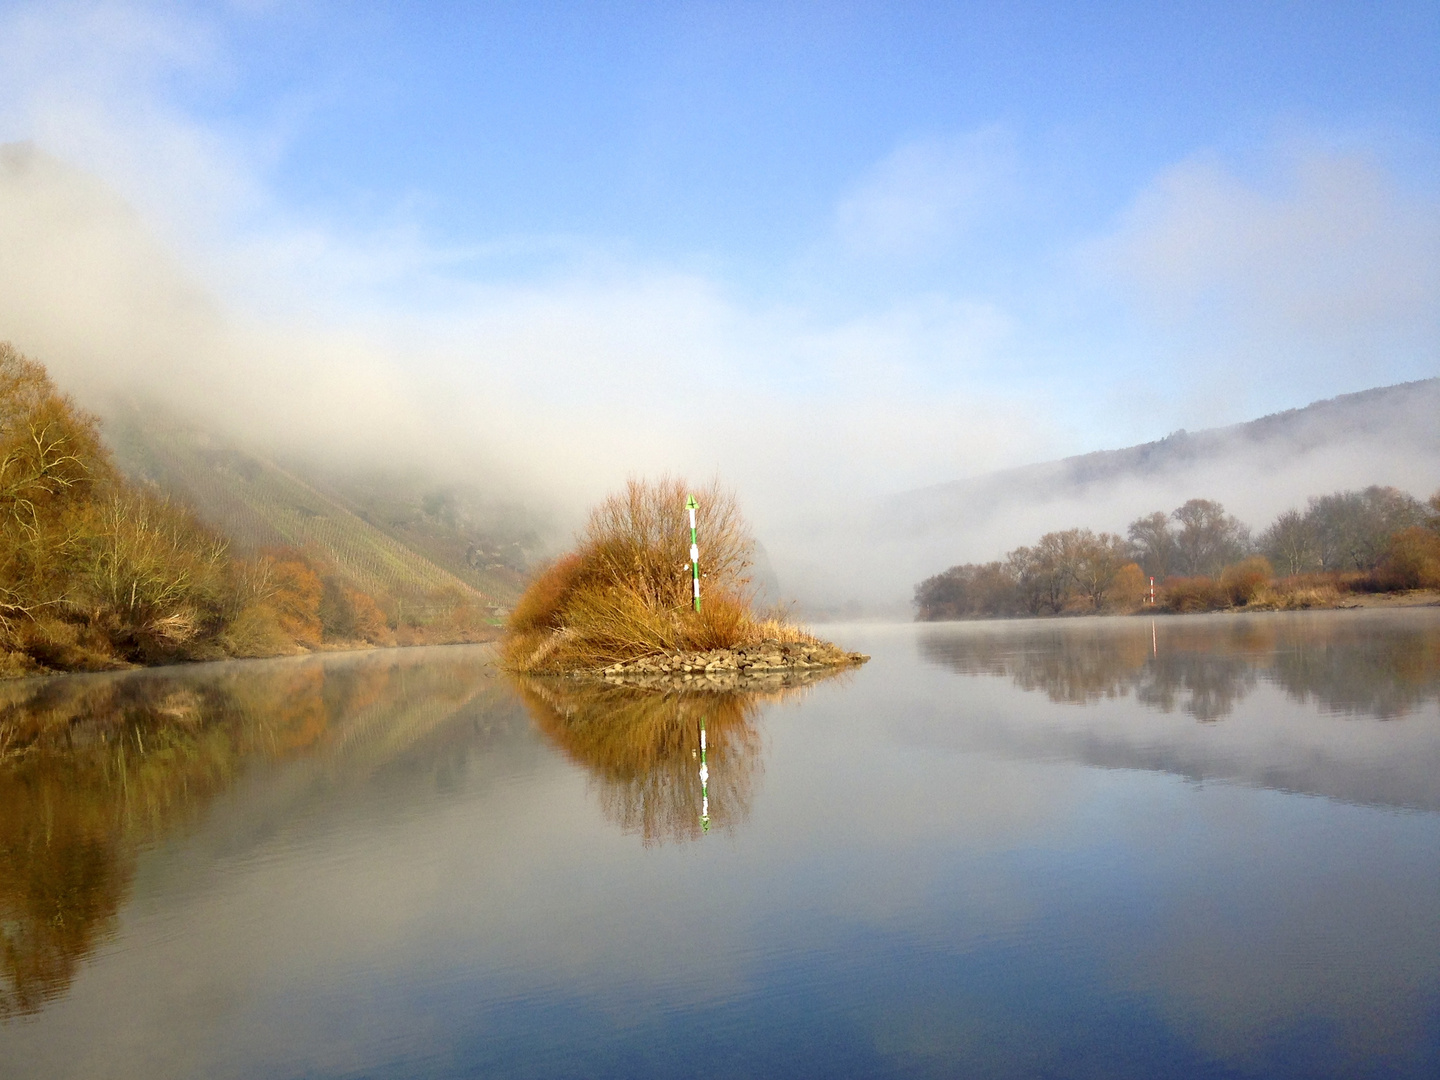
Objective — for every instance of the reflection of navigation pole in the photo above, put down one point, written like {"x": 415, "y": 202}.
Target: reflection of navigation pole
{"x": 692, "y": 505}
{"x": 704, "y": 781}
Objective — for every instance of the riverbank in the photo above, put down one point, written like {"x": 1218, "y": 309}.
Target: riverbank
{"x": 1415, "y": 598}
{"x": 1313, "y": 600}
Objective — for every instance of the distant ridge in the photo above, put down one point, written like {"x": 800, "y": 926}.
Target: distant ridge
{"x": 869, "y": 557}
{"x": 1405, "y": 416}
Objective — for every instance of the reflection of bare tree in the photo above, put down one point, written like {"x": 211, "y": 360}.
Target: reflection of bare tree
{"x": 1372, "y": 667}
{"x": 642, "y": 747}
{"x": 92, "y": 767}
{"x": 1208, "y": 687}
{"x": 1365, "y": 668}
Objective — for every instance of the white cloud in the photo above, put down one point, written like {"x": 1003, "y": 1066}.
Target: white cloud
{"x": 1316, "y": 277}
{"x": 926, "y": 193}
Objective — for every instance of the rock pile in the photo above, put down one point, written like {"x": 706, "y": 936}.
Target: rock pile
{"x": 767, "y": 662}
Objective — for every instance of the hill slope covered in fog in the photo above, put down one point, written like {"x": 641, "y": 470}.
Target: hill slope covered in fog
{"x": 1403, "y": 419}
{"x": 1389, "y": 435}
{"x": 385, "y": 533}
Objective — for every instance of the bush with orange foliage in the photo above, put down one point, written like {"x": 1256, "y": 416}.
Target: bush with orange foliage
{"x": 1241, "y": 582}
{"x": 295, "y": 596}
{"x": 625, "y": 591}
{"x": 1190, "y": 594}
{"x": 1129, "y": 589}
{"x": 97, "y": 573}
{"x": 1412, "y": 559}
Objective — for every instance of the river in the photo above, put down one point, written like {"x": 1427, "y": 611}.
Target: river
{"x": 1193, "y": 846}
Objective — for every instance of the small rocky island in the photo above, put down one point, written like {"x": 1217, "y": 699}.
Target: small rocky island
{"x": 622, "y": 608}
{"x": 768, "y": 662}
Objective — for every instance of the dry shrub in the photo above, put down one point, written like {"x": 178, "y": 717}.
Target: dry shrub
{"x": 1412, "y": 560}
{"x": 542, "y": 605}
{"x": 152, "y": 574}
{"x": 1298, "y": 592}
{"x": 641, "y": 536}
{"x": 1128, "y": 590}
{"x": 349, "y": 615}
{"x": 722, "y": 622}
{"x": 255, "y": 631}
{"x": 370, "y": 625}
{"x": 65, "y": 646}
{"x": 618, "y": 622}
{"x": 1301, "y": 599}
{"x": 625, "y": 592}
{"x": 1193, "y": 594}
{"x": 1241, "y": 582}
{"x": 295, "y": 597}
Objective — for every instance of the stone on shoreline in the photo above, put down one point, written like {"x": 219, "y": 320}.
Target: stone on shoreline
{"x": 766, "y": 661}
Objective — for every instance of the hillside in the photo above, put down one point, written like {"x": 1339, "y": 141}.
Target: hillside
{"x": 388, "y": 534}
{"x": 867, "y": 560}
{"x": 1401, "y": 418}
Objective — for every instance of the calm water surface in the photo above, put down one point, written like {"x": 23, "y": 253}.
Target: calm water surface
{"x": 1204, "y": 847}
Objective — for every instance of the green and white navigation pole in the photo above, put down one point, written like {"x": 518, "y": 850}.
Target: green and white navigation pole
{"x": 691, "y": 505}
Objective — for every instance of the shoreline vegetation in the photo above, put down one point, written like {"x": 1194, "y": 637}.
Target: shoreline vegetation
{"x": 100, "y": 573}
{"x": 618, "y": 608}
{"x": 1378, "y": 547}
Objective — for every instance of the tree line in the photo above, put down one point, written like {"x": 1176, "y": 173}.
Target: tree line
{"x": 1201, "y": 557}
{"x": 97, "y": 572}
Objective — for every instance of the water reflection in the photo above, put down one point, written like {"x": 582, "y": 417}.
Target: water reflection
{"x": 93, "y": 768}
{"x": 1385, "y": 664}
{"x": 642, "y": 746}
{"x": 401, "y": 868}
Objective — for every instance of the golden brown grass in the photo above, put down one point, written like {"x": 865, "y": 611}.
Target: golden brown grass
{"x": 625, "y": 591}
{"x": 99, "y": 573}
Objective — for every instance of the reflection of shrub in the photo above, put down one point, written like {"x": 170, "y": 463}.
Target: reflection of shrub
{"x": 1242, "y": 581}
{"x": 642, "y": 747}
{"x": 94, "y": 769}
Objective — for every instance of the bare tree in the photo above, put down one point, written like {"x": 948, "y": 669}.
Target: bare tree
{"x": 1032, "y": 579}
{"x": 1097, "y": 565}
{"x": 1208, "y": 538}
{"x": 1292, "y": 543}
{"x": 1152, "y": 543}
{"x": 1353, "y": 528}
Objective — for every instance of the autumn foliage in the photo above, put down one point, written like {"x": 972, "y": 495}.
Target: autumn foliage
{"x": 96, "y": 572}
{"x": 625, "y": 591}
{"x": 1378, "y": 539}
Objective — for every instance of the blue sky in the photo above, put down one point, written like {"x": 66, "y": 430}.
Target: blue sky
{"x": 895, "y": 242}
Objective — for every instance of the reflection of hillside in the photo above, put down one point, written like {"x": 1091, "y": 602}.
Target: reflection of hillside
{"x": 92, "y": 767}
{"x": 642, "y": 747}
{"x": 1363, "y": 666}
